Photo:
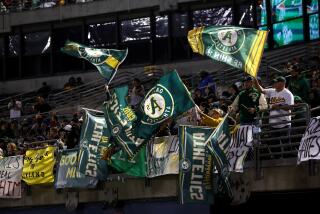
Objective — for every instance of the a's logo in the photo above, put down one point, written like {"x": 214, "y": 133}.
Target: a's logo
{"x": 254, "y": 96}
{"x": 185, "y": 165}
{"x": 115, "y": 130}
{"x": 228, "y": 41}
{"x": 84, "y": 144}
{"x": 158, "y": 105}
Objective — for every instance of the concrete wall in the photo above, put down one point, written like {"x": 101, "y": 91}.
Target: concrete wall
{"x": 276, "y": 178}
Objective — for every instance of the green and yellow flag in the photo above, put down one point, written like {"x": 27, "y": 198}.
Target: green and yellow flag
{"x": 120, "y": 119}
{"x": 239, "y": 47}
{"x": 106, "y": 61}
{"x": 168, "y": 98}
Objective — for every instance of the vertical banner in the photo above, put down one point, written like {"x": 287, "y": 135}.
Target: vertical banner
{"x": 94, "y": 141}
{"x": 163, "y": 156}
{"x": 68, "y": 175}
{"x": 309, "y": 148}
{"x": 196, "y": 169}
{"x": 241, "y": 142}
{"x": 120, "y": 118}
{"x": 10, "y": 176}
{"x": 38, "y": 166}
{"x": 218, "y": 144}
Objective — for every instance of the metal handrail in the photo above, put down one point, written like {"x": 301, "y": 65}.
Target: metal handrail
{"x": 262, "y": 146}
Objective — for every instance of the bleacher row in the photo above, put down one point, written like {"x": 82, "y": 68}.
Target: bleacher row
{"x": 92, "y": 93}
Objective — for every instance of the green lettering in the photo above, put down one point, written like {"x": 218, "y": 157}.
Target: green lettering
{"x": 154, "y": 105}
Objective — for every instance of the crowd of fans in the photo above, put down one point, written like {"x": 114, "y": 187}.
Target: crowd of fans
{"x": 41, "y": 124}
{"x": 243, "y": 100}
{"x": 20, "y": 5}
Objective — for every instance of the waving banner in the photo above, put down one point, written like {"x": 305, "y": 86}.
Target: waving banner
{"x": 196, "y": 169}
{"x": 241, "y": 143}
{"x": 94, "y": 141}
{"x": 120, "y": 118}
{"x": 163, "y": 156}
{"x": 38, "y": 166}
{"x": 309, "y": 148}
{"x": 239, "y": 47}
{"x": 169, "y": 98}
{"x": 68, "y": 175}
{"x": 106, "y": 61}
{"x": 10, "y": 176}
{"x": 131, "y": 166}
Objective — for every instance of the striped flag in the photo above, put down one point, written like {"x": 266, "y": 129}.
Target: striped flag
{"x": 239, "y": 47}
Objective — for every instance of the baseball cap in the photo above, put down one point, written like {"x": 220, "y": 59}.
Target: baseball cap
{"x": 297, "y": 99}
{"x": 68, "y": 128}
{"x": 248, "y": 78}
{"x": 279, "y": 79}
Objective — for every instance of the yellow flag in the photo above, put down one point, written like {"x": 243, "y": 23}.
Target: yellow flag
{"x": 38, "y": 166}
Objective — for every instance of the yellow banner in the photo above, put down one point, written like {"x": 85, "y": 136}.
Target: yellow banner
{"x": 38, "y": 166}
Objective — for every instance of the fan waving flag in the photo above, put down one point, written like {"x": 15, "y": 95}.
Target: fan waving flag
{"x": 239, "y": 47}
{"x": 107, "y": 61}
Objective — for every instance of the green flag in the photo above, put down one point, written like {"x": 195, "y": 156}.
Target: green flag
{"x": 218, "y": 144}
{"x": 120, "y": 118}
{"x": 169, "y": 98}
{"x": 94, "y": 141}
{"x": 196, "y": 169}
{"x": 106, "y": 61}
{"x": 239, "y": 47}
{"x": 134, "y": 167}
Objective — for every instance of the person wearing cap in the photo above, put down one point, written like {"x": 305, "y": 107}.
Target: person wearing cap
{"x": 298, "y": 84}
{"x": 72, "y": 135}
{"x": 249, "y": 102}
{"x": 280, "y": 100}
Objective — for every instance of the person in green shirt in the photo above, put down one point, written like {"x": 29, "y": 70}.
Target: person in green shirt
{"x": 298, "y": 84}
{"x": 249, "y": 102}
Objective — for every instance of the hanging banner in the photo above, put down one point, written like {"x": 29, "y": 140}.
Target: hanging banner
{"x": 10, "y": 176}
{"x": 68, "y": 175}
{"x": 120, "y": 118}
{"x": 38, "y": 166}
{"x": 218, "y": 144}
{"x": 196, "y": 166}
{"x": 241, "y": 142}
{"x": 309, "y": 148}
{"x": 94, "y": 142}
{"x": 163, "y": 156}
